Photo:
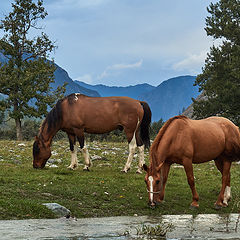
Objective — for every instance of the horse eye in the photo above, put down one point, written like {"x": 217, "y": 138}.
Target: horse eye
{"x": 157, "y": 182}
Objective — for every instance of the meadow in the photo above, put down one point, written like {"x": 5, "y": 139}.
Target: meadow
{"x": 105, "y": 190}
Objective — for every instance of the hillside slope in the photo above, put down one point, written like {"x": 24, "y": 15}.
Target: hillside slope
{"x": 171, "y": 96}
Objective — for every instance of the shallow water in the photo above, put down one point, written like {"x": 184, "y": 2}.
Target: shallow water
{"x": 209, "y": 226}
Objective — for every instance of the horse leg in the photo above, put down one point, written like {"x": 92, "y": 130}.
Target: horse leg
{"x": 227, "y": 192}
{"x": 225, "y": 182}
{"x": 73, "y": 148}
{"x": 132, "y": 148}
{"x": 84, "y": 150}
{"x": 187, "y": 163}
{"x": 164, "y": 175}
{"x": 141, "y": 159}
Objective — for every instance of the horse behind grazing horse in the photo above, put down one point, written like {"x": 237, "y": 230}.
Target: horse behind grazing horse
{"x": 77, "y": 113}
{"x": 184, "y": 141}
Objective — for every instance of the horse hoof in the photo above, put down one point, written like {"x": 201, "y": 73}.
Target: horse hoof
{"x": 86, "y": 169}
{"x": 139, "y": 171}
{"x": 125, "y": 171}
{"x": 194, "y": 206}
{"x": 217, "y": 206}
{"x": 225, "y": 204}
{"x": 71, "y": 168}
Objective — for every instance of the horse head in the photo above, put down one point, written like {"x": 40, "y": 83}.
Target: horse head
{"x": 153, "y": 181}
{"x": 41, "y": 153}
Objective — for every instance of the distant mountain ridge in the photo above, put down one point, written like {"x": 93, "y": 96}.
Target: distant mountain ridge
{"x": 61, "y": 76}
{"x": 130, "y": 91}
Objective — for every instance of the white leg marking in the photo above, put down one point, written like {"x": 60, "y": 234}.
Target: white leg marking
{"x": 150, "y": 178}
{"x": 132, "y": 148}
{"x": 74, "y": 161}
{"x": 86, "y": 158}
{"x": 227, "y": 195}
{"x": 141, "y": 159}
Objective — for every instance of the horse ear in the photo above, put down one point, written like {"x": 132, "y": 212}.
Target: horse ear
{"x": 145, "y": 167}
{"x": 159, "y": 166}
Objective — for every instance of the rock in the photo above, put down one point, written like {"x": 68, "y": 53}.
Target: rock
{"x": 59, "y": 210}
{"x": 105, "y": 153}
{"x": 52, "y": 166}
{"x": 95, "y": 157}
{"x": 54, "y": 161}
{"x": 21, "y": 145}
{"x": 189, "y": 111}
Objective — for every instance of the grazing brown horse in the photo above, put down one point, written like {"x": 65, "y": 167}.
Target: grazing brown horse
{"x": 184, "y": 141}
{"x": 77, "y": 113}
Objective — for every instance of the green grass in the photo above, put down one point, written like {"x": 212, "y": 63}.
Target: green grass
{"x": 104, "y": 191}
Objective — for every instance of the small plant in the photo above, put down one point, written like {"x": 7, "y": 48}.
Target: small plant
{"x": 159, "y": 230}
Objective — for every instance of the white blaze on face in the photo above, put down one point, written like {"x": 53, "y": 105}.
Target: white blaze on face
{"x": 150, "y": 179}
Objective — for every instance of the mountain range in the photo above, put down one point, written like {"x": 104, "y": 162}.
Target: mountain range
{"x": 166, "y": 100}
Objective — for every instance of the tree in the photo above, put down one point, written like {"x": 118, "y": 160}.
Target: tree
{"x": 220, "y": 79}
{"x": 155, "y": 127}
{"x": 26, "y": 76}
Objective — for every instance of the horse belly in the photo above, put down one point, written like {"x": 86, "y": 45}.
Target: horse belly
{"x": 99, "y": 127}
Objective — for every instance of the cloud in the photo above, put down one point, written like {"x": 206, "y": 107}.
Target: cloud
{"x": 192, "y": 63}
{"x": 116, "y": 68}
{"x": 73, "y": 4}
{"x": 87, "y": 78}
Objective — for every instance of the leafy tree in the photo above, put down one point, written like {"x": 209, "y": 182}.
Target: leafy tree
{"x": 220, "y": 79}
{"x": 26, "y": 76}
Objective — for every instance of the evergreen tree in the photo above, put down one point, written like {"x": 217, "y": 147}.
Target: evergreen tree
{"x": 220, "y": 79}
{"x": 155, "y": 127}
{"x": 26, "y": 76}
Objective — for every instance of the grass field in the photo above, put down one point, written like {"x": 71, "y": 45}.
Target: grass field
{"x": 104, "y": 191}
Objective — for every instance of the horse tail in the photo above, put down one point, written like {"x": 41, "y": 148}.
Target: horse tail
{"x": 145, "y": 124}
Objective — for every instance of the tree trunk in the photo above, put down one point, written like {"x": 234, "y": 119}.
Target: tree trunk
{"x": 19, "y": 129}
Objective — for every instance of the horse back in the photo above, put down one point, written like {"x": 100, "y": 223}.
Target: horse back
{"x": 200, "y": 140}
{"x": 101, "y": 114}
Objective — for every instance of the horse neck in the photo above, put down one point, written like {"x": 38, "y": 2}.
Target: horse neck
{"x": 47, "y": 135}
{"x": 158, "y": 155}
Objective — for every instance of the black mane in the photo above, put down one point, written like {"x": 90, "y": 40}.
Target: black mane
{"x": 54, "y": 117}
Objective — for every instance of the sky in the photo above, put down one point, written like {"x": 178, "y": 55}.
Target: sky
{"x": 126, "y": 42}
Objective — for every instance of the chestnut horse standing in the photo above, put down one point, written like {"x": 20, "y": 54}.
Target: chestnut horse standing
{"x": 77, "y": 113}
{"x": 185, "y": 141}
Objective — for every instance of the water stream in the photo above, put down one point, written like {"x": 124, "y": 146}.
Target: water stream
{"x": 203, "y": 226}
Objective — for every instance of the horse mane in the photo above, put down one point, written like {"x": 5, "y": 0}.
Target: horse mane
{"x": 53, "y": 118}
{"x": 153, "y": 149}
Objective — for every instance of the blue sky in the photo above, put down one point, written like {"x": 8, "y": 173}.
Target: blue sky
{"x": 126, "y": 42}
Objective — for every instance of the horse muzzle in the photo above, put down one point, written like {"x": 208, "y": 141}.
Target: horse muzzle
{"x": 38, "y": 166}
{"x": 152, "y": 205}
